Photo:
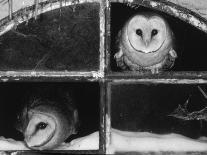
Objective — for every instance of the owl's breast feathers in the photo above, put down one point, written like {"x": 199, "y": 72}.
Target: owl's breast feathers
{"x": 138, "y": 61}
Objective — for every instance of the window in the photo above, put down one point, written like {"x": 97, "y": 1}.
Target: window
{"x": 52, "y": 48}
{"x": 53, "y": 51}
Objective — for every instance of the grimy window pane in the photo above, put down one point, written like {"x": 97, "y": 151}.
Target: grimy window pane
{"x": 59, "y": 40}
{"x": 189, "y": 42}
{"x": 84, "y": 97}
{"x": 153, "y": 108}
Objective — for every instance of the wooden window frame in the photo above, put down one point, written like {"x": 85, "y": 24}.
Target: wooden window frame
{"x": 104, "y": 76}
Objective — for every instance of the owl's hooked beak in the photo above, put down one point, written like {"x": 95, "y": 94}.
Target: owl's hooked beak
{"x": 146, "y": 42}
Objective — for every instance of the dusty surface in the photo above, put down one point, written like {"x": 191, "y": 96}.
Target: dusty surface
{"x": 122, "y": 141}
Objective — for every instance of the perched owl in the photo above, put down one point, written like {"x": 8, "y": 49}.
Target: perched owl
{"x": 45, "y": 124}
{"x": 145, "y": 43}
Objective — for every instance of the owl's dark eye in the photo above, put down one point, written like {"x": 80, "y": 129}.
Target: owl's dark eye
{"x": 154, "y": 32}
{"x": 139, "y": 32}
{"x": 41, "y": 125}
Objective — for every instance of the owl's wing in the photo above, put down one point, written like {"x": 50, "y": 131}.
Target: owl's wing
{"x": 119, "y": 55}
{"x": 22, "y": 120}
{"x": 120, "y": 59}
{"x": 170, "y": 60}
{"x": 72, "y": 107}
{"x": 173, "y": 53}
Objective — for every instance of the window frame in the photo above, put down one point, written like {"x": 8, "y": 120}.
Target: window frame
{"x": 104, "y": 75}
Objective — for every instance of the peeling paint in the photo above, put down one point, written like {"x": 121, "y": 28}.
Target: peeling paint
{"x": 102, "y": 38}
{"x": 7, "y": 28}
{"x": 33, "y": 73}
{"x": 97, "y": 75}
{"x": 108, "y": 134}
{"x": 130, "y": 1}
{"x": 192, "y": 19}
{"x": 195, "y": 21}
{"x": 165, "y": 81}
{"x": 21, "y": 74}
{"x": 153, "y": 4}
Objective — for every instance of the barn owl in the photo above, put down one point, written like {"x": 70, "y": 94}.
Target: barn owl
{"x": 145, "y": 43}
{"x": 46, "y": 124}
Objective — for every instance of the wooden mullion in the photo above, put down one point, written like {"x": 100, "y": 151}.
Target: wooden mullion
{"x": 102, "y": 135}
{"x": 10, "y": 2}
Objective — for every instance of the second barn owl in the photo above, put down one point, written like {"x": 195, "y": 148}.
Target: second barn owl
{"x": 46, "y": 124}
{"x": 146, "y": 43}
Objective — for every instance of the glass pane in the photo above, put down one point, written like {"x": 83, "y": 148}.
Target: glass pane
{"x": 59, "y": 40}
{"x": 74, "y": 107}
{"x": 157, "y": 110}
{"x": 188, "y": 42}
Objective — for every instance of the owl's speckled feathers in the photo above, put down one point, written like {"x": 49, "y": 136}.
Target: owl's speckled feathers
{"x": 146, "y": 43}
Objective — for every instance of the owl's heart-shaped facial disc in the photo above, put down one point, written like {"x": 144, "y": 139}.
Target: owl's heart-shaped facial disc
{"x": 146, "y": 34}
{"x": 40, "y": 130}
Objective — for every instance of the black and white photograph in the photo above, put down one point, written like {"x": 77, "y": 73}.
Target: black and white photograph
{"x": 103, "y": 77}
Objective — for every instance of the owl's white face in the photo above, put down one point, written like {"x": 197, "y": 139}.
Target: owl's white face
{"x": 146, "y": 34}
{"x": 40, "y": 130}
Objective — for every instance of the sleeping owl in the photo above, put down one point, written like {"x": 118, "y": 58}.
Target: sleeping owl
{"x": 145, "y": 43}
{"x": 46, "y": 123}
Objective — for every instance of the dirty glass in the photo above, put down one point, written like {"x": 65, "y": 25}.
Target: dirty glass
{"x": 159, "y": 109}
{"x": 58, "y": 40}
